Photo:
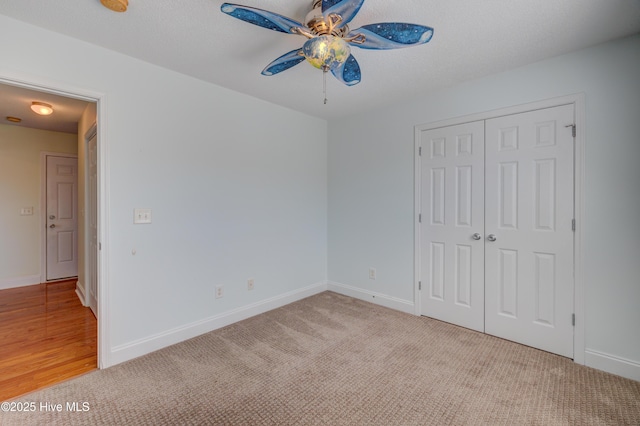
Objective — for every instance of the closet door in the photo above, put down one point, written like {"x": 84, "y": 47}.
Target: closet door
{"x": 452, "y": 225}
{"x": 529, "y": 241}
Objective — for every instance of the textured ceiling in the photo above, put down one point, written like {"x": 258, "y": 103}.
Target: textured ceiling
{"x": 471, "y": 39}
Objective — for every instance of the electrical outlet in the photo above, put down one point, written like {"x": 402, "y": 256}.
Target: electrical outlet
{"x": 219, "y": 291}
{"x": 250, "y": 284}
{"x": 372, "y": 273}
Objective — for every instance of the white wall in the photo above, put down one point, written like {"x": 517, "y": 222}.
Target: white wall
{"x": 236, "y": 192}
{"x": 371, "y": 188}
{"x": 20, "y": 186}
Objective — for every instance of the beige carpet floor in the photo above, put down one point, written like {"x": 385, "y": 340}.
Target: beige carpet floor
{"x": 334, "y": 360}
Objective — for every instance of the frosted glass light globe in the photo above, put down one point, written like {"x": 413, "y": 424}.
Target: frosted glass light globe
{"x": 326, "y": 52}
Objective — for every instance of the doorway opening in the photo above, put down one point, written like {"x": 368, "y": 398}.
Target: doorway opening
{"x": 83, "y": 110}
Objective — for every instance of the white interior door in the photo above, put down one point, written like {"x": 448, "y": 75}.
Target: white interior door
{"x": 509, "y": 182}
{"x": 529, "y": 211}
{"x": 452, "y": 224}
{"x": 62, "y": 221}
{"x": 92, "y": 222}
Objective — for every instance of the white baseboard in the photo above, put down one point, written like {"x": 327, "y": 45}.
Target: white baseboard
{"x": 612, "y": 364}
{"x": 131, "y": 350}
{"x": 80, "y": 293}
{"x": 19, "y": 281}
{"x": 373, "y": 297}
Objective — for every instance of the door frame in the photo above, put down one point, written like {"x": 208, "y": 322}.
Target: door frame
{"x": 578, "y": 101}
{"x": 43, "y": 210}
{"x": 47, "y": 85}
{"x": 90, "y": 134}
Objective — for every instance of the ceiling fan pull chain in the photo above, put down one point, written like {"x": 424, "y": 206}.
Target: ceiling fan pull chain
{"x": 324, "y": 85}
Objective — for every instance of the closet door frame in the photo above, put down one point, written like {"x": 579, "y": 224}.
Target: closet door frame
{"x": 578, "y": 101}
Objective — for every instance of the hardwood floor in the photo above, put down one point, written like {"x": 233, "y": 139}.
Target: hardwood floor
{"x": 46, "y": 336}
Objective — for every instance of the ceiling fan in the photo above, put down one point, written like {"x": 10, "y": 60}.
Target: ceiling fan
{"x": 328, "y": 36}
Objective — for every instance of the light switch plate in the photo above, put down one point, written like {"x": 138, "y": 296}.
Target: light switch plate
{"x": 141, "y": 215}
{"x": 26, "y": 211}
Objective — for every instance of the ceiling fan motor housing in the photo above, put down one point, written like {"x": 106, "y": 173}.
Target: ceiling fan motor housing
{"x": 319, "y": 25}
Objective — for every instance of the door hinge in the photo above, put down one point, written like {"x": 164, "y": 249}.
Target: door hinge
{"x": 420, "y": 218}
{"x": 573, "y": 319}
{"x": 573, "y": 225}
{"x": 420, "y": 151}
{"x": 573, "y": 129}
{"x": 99, "y": 246}
{"x": 419, "y": 285}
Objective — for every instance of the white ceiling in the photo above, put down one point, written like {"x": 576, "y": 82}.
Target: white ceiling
{"x": 471, "y": 39}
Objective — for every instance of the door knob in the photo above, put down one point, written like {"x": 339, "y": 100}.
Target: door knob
{"x": 491, "y": 237}
{"x": 52, "y": 217}
{"x": 476, "y": 236}
{"x": 53, "y": 225}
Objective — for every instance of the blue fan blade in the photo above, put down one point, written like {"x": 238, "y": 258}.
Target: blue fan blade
{"x": 347, "y": 9}
{"x": 348, "y": 72}
{"x": 284, "y": 62}
{"x": 392, "y": 35}
{"x": 261, "y": 18}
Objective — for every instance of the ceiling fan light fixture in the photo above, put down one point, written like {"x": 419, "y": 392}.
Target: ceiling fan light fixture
{"x": 116, "y": 5}
{"x": 329, "y": 37}
{"x": 326, "y": 52}
{"x": 41, "y": 108}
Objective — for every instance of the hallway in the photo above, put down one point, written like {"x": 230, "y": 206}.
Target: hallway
{"x": 46, "y": 336}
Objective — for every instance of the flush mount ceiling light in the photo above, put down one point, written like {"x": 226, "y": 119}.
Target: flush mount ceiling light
{"x": 14, "y": 119}
{"x": 329, "y": 38}
{"x": 115, "y": 5}
{"x": 41, "y": 108}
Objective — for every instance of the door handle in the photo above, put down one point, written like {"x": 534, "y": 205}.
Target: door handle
{"x": 476, "y": 236}
{"x": 53, "y": 225}
{"x": 491, "y": 237}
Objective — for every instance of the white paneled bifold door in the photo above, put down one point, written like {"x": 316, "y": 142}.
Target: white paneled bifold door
{"x": 496, "y": 236}
{"x": 452, "y": 175}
